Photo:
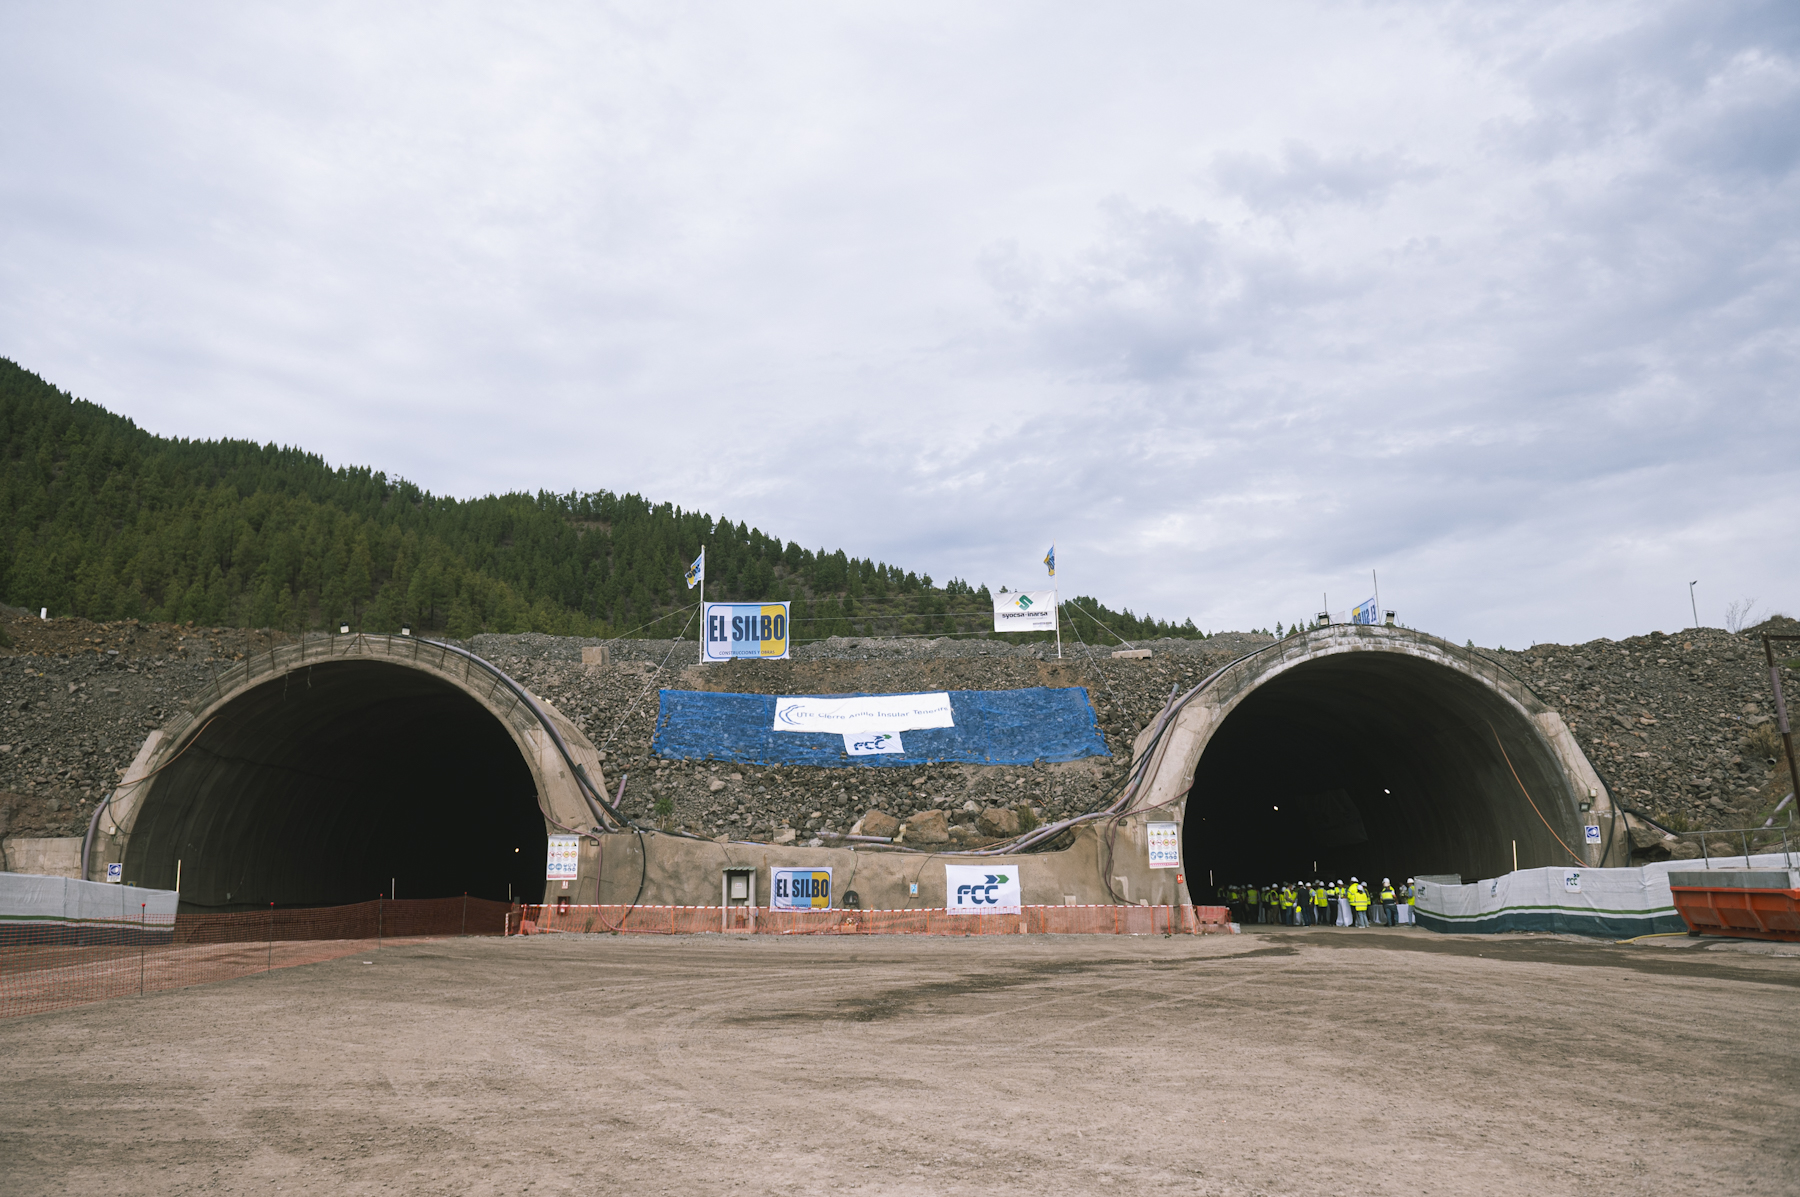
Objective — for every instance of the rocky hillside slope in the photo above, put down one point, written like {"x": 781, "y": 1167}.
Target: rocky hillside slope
{"x": 1681, "y": 727}
{"x": 1678, "y": 725}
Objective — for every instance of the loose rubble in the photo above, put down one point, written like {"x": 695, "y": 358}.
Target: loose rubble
{"x": 1679, "y": 726}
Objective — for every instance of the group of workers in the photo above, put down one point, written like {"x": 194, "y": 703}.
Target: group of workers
{"x": 1316, "y": 903}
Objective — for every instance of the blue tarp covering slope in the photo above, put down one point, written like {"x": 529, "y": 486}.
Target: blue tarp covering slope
{"x": 993, "y": 727}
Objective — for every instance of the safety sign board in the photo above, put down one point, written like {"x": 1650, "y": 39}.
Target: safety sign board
{"x": 1025, "y": 611}
{"x": 871, "y": 743}
{"x": 736, "y": 630}
{"x": 981, "y": 889}
{"x": 115, "y": 871}
{"x": 863, "y": 713}
{"x": 1165, "y": 845}
{"x": 1593, "y": 833}
{"x": 565, "y": 858}
{"x": 799, "y": 889}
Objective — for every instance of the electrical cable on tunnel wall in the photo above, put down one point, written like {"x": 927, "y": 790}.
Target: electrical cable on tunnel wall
{"x": 87, "y": 843}
{"x": 1528, "y": 798}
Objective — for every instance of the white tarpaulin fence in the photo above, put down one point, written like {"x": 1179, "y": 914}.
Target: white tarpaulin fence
{"x": 1616, "y": 903}
{"x": 28, "y": 900}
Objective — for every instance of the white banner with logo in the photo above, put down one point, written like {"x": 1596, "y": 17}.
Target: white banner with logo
{"x": 871, "y": 743}
{"x": 864, "y": 713}
{"x": 799, "y": 889}
{"x": 1025, "y": 611}
{"x": 981, "y": 889}
{"x": 565, "y": 858}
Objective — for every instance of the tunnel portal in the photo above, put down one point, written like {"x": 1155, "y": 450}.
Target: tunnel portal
{"x": 1381, "y": 764}
{"x": 338, "y": 781}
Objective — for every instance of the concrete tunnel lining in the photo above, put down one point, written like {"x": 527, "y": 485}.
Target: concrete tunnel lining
{"x": 330, "y": 783}
{"x": 309, "y": 804}
{"x": 1437, "y": 764}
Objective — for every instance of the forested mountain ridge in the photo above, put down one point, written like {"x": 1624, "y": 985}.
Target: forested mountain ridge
{"x": 102, "y": 519}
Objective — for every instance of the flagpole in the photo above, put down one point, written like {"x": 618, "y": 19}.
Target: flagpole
{"x": 704, "y": 630}
{"x": 1376, "y": 616}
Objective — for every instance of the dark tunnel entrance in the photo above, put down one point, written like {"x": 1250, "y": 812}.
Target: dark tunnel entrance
{"x": 337, "y": 783}
{"x": 1372, "y": 764}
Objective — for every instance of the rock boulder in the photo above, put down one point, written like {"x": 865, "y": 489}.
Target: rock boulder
{"x": 878, "y": 822}
{"x": 999, "y": 822}
{"x": 928, "y": 827}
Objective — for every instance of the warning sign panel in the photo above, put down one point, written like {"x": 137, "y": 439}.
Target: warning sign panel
{"x": 1165, "y": 845}
{"x": 565, "y": 858}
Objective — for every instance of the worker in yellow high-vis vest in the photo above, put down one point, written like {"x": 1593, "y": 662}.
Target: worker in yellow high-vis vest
{"x": 1359, "y": 902}
{"x": 1389, "y": 902}
{"x": 1320, "y": 897}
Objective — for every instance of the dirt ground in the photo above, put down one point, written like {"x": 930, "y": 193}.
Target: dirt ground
{"x": 1311, "y": 1062}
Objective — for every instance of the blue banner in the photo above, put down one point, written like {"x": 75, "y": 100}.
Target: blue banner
{"x": 993, "y": 727}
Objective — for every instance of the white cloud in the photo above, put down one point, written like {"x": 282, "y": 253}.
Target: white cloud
{"x": 1234, "y": 304}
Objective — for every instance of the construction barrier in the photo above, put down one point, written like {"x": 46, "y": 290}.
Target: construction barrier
{"x": 45, "y": 969}
{"x": 745, "y": 920}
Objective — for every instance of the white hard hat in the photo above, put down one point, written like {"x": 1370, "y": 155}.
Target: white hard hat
{"x": 1387, "y": 881}
{"x": 1353, "y": 879}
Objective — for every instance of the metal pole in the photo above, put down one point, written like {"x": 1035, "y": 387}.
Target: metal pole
{"x": 1781, "y": 715}
{"x": 1691, "y": 603}
{"x": 269, "y": 966}
{"x": 143, "y": 919}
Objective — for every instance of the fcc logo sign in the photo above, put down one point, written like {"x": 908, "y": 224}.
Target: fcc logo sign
{"x": 981, "y": 889}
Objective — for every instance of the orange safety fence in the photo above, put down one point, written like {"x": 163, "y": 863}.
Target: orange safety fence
{"x": 1030, "y": 920}
{"x": 50, "y": 966}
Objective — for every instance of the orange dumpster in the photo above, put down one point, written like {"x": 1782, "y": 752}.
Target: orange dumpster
{"x": 1744, "y": 903}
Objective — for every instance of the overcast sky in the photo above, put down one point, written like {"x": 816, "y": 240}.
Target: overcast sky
{"x": 1235, "y": 302}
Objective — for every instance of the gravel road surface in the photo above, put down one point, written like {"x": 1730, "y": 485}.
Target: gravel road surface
{"x": 1309, "y": 1062}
